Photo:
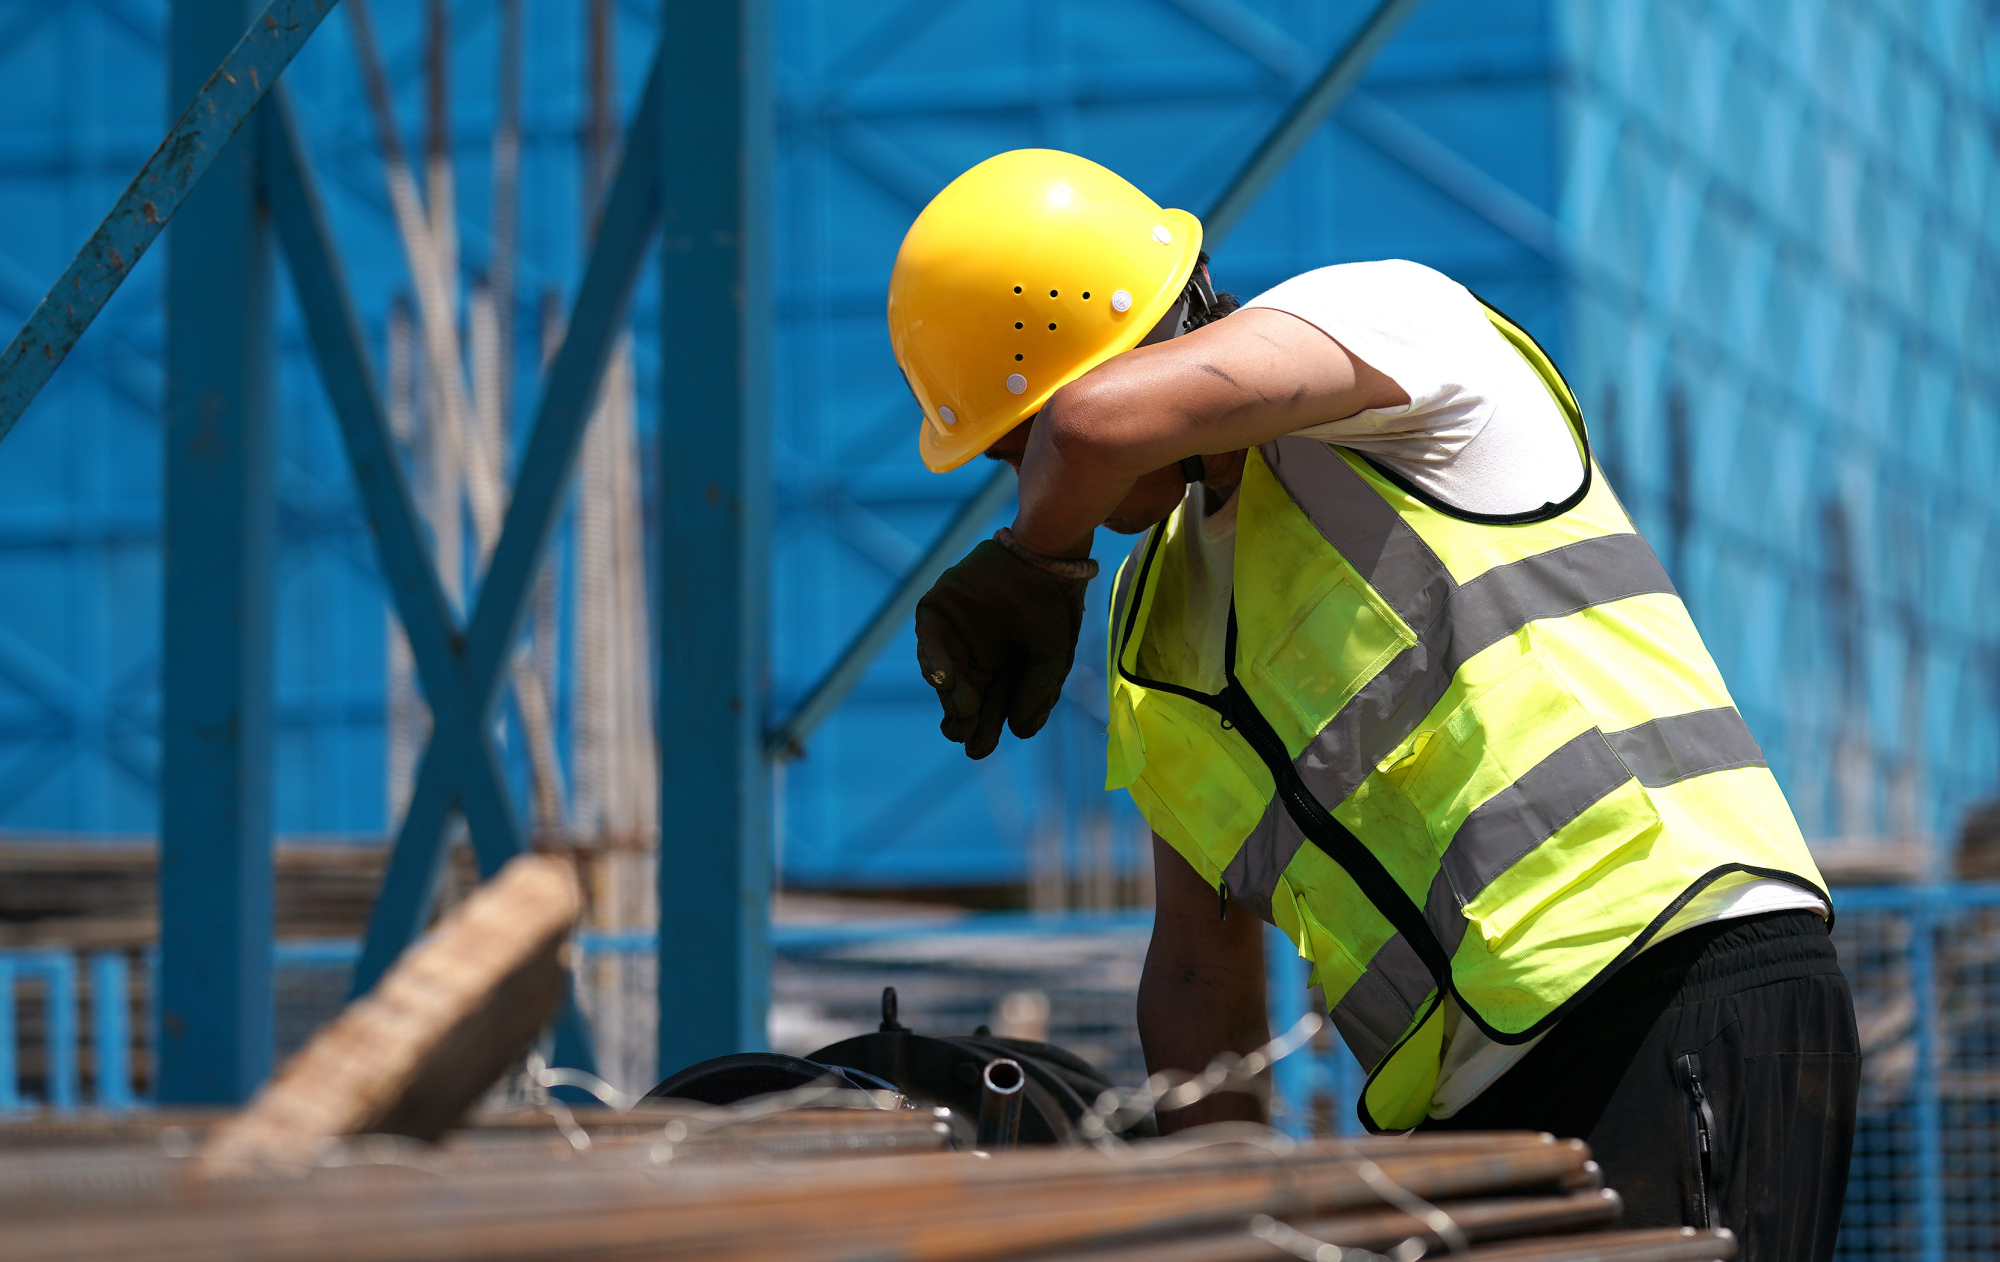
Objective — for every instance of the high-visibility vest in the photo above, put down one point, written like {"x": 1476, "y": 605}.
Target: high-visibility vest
{"x": 1489, "y": 755}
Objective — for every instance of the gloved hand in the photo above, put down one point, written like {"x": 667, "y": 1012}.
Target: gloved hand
{"x": 995, "y": 637}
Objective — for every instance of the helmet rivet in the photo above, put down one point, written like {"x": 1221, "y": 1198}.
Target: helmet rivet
{"x": 948, "y": 416}
{"x": 1016, "y": 383}
{"x": 1121, "y": 301}
{"x": 1161, "y": 234}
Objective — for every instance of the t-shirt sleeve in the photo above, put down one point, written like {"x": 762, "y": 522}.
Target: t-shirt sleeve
{"x": 1481, "y": 430}
{"x": 1413, "y": 324}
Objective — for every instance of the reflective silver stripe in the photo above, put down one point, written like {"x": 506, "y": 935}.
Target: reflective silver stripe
{"x": 1552, "y": 584}
{"x": 1367, "y": 530}
{"x": 1262, "y": 858}
{"x": 1452, "y": 623}
{"x": 1445, "y": 914}
{"x": 1565, "y": 784}
{"x": 1683, "y": 746}
{"x": 1527, "y": 812}
{"x": 1376, "y": 1010}
{"x": 1517, "y": 819}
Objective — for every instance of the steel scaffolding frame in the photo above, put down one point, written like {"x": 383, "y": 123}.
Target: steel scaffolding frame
{"x": 712, "y": 69}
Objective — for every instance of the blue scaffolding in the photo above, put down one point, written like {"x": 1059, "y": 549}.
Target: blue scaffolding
{"x": 1763, "y": 240}
{"x": 697, "y": 166}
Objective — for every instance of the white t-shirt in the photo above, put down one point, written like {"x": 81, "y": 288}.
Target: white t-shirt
{"x": 1480, "y": 433}
{"x": 1426, "y": 332}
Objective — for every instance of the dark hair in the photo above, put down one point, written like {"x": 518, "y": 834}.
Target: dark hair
{"x": 1205, "y": 304}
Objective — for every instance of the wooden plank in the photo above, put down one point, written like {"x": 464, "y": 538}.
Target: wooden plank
{"x": 412, "y": 1056}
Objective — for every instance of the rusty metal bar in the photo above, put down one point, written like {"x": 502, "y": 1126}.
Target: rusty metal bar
{"x": 203, "y": 130}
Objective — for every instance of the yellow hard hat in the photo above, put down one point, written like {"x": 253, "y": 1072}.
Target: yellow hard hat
{"x": 1025, "y": 273}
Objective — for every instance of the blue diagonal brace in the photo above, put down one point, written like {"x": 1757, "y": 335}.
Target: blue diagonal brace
{"x": 203, "y": 130}
{"x": 460, "y": 765}
{"x": 349, "y": 377}
{"x": 468, "y": 776}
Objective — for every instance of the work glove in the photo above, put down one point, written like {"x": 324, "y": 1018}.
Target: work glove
{"x": 996, "y": 636}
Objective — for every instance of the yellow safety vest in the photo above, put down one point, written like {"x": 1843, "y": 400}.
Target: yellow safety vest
{"x": 1503, "y": 738}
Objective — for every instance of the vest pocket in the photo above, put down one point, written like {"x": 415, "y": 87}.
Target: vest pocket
{"x": 1338, "y": 639}
{"x": 1525, "y": 799}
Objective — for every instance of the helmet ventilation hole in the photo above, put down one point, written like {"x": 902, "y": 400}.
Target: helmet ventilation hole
{"x": 1052, "y": 293}
{"x": 1017, "y": 289}
{"x": 1052, "y": 328}
{"x": 1086, "y": 295}
{"x": 1018, "y": 357}
{"x": 1019, "y": 325}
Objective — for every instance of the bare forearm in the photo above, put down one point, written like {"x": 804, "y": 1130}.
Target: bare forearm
{"x": 1234, "y": 384}
{"x": 1068, "y": 491}
{"x": 1202, "y": 991}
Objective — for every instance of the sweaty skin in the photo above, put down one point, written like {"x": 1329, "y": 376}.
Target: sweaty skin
{"x": 1105, "y": 451}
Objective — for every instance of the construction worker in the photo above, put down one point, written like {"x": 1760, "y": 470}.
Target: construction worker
{"x": 1390, "y": 669}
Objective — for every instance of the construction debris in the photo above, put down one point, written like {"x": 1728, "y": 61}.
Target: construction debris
{"x": 629, "y": 1186}
{"x": 359, "y": 1151}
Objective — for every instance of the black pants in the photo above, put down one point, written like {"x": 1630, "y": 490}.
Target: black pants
{"x": 1738, "y": 1037}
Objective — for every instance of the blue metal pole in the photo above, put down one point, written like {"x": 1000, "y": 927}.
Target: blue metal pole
{"x": 1924, "y": 918}
{"x": 1285, "y": 998}
{"x": 1349, "y": 1079}
{"x": 715, "y": 846}
{"x": 149, "y": 961}
{"x": 111, "y": 1028}
{"x": 10, "y": 1083}
{"x": 216, "y": 682}
{"x": 436, "y": 639}
{"x": 58, "y": 970}
{"x": 227, "y": 94}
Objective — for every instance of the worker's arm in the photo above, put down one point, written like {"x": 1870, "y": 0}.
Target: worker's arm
{"x": 1202, "y": 991}
{"x": 1233, "y": 384}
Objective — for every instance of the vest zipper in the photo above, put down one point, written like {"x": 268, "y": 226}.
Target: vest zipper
{"x": 1701, "y": 1139}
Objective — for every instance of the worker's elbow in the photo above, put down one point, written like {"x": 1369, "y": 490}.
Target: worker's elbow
{"x": 1089, "y": 422}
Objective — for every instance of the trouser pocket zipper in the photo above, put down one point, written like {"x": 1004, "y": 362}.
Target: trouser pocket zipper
{"x": 1701, "y": 1138}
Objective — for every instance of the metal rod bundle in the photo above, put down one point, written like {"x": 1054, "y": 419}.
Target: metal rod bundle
{"x": 642, "y": 1189}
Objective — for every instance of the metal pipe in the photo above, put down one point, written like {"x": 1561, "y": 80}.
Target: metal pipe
{"x": 1000, "y": 1103}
